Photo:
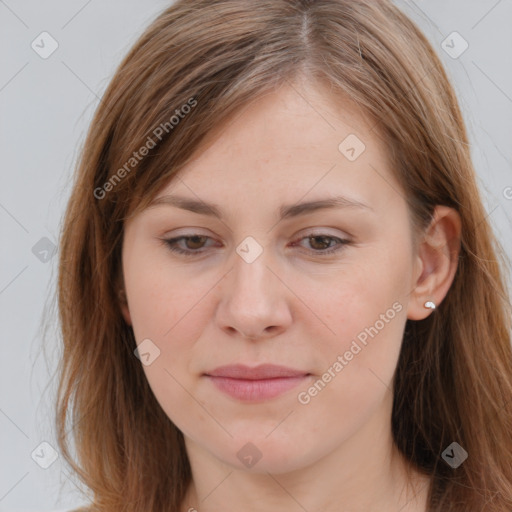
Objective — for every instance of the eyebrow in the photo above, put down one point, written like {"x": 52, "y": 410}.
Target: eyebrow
{"x": 285, "y": 212}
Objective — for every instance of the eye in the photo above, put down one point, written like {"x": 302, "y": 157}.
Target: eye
{"x": 324, "y": 244}
{"x": 193, "y": 244}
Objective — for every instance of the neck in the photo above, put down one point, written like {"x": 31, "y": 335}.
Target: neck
{"x": 362, "y": 476}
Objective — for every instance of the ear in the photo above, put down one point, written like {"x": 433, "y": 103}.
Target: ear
{"x": 436, "y": 261}
{"x": 123, "y": 304}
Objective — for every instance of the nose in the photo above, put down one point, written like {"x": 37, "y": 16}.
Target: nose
{"x": 255, "y": 301}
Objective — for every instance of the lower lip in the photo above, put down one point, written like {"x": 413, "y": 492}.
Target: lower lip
{"x": 256, "y": 390}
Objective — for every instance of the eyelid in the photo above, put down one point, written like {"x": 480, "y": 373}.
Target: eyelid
{"x": 305, "y": 232}
{"x": 323, "y": 230}
{"x": 342, "y": 241}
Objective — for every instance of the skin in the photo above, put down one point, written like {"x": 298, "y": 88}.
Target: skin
{"x": 290, "y": 306}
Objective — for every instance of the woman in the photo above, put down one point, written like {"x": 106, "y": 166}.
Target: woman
{"x": 278, "y": 287}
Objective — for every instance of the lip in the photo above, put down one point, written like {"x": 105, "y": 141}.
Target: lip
{"x": 258, "y": 383}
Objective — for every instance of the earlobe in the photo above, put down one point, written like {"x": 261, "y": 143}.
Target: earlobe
{"x": 438, "y": 255}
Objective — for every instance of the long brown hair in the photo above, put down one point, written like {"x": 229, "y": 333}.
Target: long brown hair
{"x": 453, "y": 382}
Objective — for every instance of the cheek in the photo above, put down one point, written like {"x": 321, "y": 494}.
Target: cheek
{"x": 359, "y": 360}
{"x": 161, "y": 298}
{"x": 359, "y": 293}
{"x": 366, "y": 330}
{"x": 363, "y": 314}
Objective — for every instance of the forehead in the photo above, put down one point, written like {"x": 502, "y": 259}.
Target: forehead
{"x": 297, "y": 140}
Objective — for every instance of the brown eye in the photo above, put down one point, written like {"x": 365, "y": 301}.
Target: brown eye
{"x": 322, "y": 244}
{"x": 193, "y": 244}
{"x": 197, "y": 241}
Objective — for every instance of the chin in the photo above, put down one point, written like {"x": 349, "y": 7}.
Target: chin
{"x": 265, "y": 455}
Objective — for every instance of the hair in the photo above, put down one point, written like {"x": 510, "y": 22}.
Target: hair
{"x": 453, "y": 380}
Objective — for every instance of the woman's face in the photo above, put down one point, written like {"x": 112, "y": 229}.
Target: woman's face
{"x": 275, "y": 279}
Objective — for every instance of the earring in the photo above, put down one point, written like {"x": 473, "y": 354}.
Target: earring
{"x": 430, "y": 305}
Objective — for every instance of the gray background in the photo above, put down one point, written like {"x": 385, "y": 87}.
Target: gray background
{"x": 46, "y": 106}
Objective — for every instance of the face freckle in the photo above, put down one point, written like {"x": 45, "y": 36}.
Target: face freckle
{"x": 253, "y": 297}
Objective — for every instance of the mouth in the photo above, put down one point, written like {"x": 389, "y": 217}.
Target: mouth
{"x": 253, "y": 384}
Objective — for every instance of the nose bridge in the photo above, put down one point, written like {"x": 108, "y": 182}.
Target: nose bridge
{"x": 250, "y": 273}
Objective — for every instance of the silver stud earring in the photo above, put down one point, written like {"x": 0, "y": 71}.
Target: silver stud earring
{"x": 430, "y": 305}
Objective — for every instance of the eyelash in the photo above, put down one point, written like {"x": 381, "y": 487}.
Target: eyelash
{"x": 171, "y": 244}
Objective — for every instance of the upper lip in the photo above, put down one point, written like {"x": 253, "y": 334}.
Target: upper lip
{"x": 263, "y": 371}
